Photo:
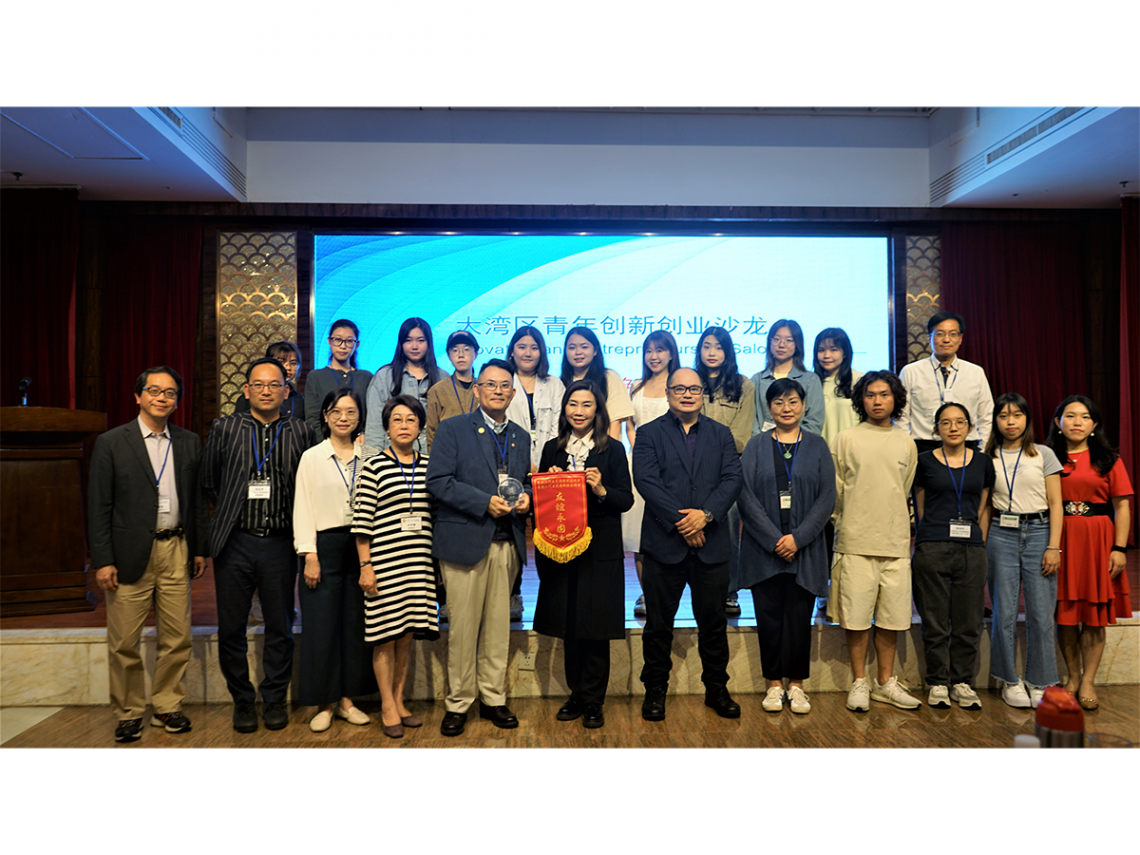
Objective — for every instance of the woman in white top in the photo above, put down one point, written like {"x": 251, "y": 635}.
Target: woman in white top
{"x": 1023, "y": 549}
{"x": 336, "y": 664}
{"x": 582, "y": 360}
{"x": 538, "y": 395}
{"x": 832, "y": 365}
{"x": 659, "y": 356}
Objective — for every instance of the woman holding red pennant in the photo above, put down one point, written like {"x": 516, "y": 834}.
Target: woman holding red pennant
{"x": 581, "y": 593}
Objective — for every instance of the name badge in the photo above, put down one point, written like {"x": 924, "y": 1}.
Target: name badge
{"x": 1009, "y": 521}
{"x": 164, "y": 504}
{"x": 348, "y": 515}
{"x": 503, "y": 476}
{"x": 410, "y": 522}
{"x": 960, "y": 530}
{"x": 785, "y": 500}
{"x": 533, "y": 435}
{"x": 258, "y": 490}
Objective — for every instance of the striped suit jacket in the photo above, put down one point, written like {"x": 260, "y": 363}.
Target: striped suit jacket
{"x": 226, "y": 465}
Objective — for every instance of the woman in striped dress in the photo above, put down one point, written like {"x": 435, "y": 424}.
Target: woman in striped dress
{"x": 392, "y": 524}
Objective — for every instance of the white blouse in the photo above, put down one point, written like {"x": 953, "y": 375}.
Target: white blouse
{"x": 322, "y": 499}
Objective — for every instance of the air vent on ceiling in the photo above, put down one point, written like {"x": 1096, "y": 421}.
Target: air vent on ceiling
{"x": 1031, "y": 132}
{"x": 174, "y": 118}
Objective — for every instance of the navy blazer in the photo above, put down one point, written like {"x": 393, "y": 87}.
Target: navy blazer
{"x": 463, "y": 476}
{"x": 668, "y": 482}
{"x": 122, "y": 501}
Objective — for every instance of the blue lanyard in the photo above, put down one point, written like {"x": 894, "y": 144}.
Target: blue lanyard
{"x": 164, "y": 459}
{"x": 470, "y": 409}
{"x": 503, "y": 447}
{"x": 789, "y": 472}
{"x": 1008, "y": 482}
{"x": 272, "y": 445}
{"x": 937, "y": 371}
{"x": 957, "y": 490}
{"x": 411, "y": 485}
{"x": 340, "y": 469}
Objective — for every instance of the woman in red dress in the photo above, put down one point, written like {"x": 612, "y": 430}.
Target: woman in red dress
{"x": 1092, "y": 588}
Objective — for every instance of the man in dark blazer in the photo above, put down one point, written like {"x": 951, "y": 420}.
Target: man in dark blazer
{"x": 480, "y": 540}
{"x": 249, "y": 470}
{"x": 686, "y": 468}
{"x": 146, "y": 519}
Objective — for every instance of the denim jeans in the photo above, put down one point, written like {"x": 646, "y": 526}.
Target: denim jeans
{"x": 1015, "y": 565}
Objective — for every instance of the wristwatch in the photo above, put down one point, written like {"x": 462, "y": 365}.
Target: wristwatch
{"x": 708, "y": 517}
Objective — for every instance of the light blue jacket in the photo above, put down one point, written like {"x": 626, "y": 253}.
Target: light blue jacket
{"x": 813, "y": 406}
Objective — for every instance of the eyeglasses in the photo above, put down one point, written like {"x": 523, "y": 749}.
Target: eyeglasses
{"x": 272, "y": 387}
{"x": 781, "y": 340}
{"x": 155, "y": 391}
{"x": 681, "y": 390}
{"x": 349, "y": 414}
{"x": 342, "y": 342}
{"x": 952, "y": 336}
{"x": 491, "y": 387}
{"x": 958, "y": 423}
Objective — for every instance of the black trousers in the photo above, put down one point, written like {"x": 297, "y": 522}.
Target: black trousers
{"x": 663, "y": 585}
{"x": 949, "y": 582}
{"x": 335, "y": 661}
{"x": 587, "y": 669}
{"x": 269, "y": 566}
{"x": 783, "y": 627}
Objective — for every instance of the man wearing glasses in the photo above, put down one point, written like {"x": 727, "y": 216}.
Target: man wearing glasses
{"x": 943, "y": 377}
{"x": 480, "y": 541}
{"x": 289, "y": 355}
{"x": 146, "y": 520}
{"x": 248, "y": 472}
{"x": 686, "y": 467}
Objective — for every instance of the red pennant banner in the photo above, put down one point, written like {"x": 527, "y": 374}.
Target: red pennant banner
{"x": 560, "y": 529}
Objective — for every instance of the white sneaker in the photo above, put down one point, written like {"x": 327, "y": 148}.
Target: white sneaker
{"x": 1035, "y": 696}
{"x": 1015, "y": 695}
{"x": 939, "y": 698}
{"x": 965, "y": 697}
{"x": 798, "y": 701}
{"x": 774, "y": 699}
{"x": 859, "y": 695}
{"x": 894, "y": 692}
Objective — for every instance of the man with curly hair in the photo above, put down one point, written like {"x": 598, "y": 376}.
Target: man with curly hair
{"x": 875, "y": 462}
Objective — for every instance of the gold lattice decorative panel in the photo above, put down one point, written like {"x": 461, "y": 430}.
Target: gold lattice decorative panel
{"x": 923, "y": 291}
{"x": 257, "y": 302}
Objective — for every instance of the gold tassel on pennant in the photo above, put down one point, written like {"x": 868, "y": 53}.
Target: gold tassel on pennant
{"x": 563, "y": 554}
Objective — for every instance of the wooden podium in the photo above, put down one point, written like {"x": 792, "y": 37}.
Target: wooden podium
{"x": 43, "y": 521}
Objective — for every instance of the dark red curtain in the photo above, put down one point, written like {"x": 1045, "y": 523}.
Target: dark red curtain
{"x": 1130, "y": 343}
{"x": 39, "y": 248}
{"x": 1018, "y": 286}
{"x": 150, "y": 308}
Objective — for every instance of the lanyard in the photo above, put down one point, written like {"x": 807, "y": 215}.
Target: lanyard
{"x": 502, "y": 448}
{"x": 455, "y": 388}
{"x": 940, "y": 388}
{"x": 411, "y": 484}
{"x": 340, "y": 469}
{"x": 164, "y": 459}
{"x": 253, "y": 439}
{"x": 1008, "y": 481}
{"x": 957, "y": 490}
{"x": 784, "y": 456}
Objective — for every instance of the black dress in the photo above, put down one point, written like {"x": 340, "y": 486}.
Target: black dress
{"x": 585, "y": 598}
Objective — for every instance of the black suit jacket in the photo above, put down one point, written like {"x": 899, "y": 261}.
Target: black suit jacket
{"x": 123, "y": 500}
{"x": 227, "y": 462}
{"x": 668, "y": 482}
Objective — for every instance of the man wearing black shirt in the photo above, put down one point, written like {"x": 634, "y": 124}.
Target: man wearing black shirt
{"x": 248, "y": 472}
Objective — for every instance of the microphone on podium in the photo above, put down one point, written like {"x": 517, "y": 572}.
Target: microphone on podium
{"x": 24, "y": 384}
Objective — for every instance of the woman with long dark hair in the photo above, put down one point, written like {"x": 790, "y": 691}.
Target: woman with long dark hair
{"x": 832, "y": 358}
{"x": 582, "y": 601}
{"x": 659, "y": 356}
{"x": 582, "y": 360}
{"x": 1023, "y": 550}
{"x": 341, "y": 371}
{"x": 538, "y": 393}
{"x": 334, "y": 659}
{"x": 784, "y": 357}
{"x": 1092, "y": 588}
{"x": 412, "y": 371}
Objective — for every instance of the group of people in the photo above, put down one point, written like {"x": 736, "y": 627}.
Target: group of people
{"x": 797, "y": 484}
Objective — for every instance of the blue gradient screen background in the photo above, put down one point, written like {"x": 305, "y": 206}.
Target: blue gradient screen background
{"x": 621, "y": 286}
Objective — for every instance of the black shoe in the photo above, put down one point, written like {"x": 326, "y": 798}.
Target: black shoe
{"x": 593, "y": 716}
{"x": 129, "y": 730}
{"x": 174, "y": 722}
{"x": 245, "y": 717}
{"x": 570, "y": 711}
{"x": 720, "y": 700}
{"x": 732, "y": 606}
{"x": 653, "y": 707}
{"x": 275, "y": 715}
{"x": 499, "y": 716}
{"x": 453, "y": 723}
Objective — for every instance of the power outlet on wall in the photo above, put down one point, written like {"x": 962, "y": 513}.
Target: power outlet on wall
{"x": 526, "y": 662}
